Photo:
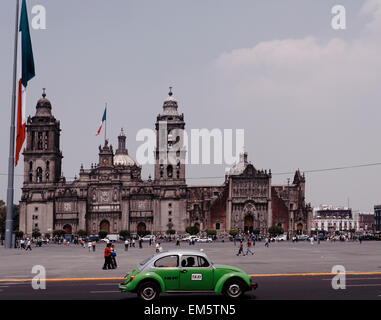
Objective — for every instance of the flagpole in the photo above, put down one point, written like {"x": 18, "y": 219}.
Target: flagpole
{"x": 106, "y": 124}
{"x": 11, "y": 163}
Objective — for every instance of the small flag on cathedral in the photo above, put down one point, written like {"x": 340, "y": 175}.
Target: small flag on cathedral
{"x": 103, "y": 119}
{"x": 27, "y": 73}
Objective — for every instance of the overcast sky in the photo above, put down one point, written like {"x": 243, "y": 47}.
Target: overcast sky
{"x": 306, "y": 95}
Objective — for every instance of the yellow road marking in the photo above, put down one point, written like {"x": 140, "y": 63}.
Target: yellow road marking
{"x": 251, "y": 275}
{"x": 311, "y": 274}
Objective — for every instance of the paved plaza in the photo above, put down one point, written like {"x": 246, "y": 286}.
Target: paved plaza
{"x": 74, "y": 261}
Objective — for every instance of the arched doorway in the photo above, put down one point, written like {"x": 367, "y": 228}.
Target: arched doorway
{"x": 197, "y": 225}
{"x": 141, "y": 229}
{"x": 299, "y": 228}
{"x": 67, "y": 228}
{"x": 105, "y": 226}
{"x": 249, "y": 224}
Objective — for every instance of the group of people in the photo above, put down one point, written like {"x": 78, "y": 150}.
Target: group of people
{"x": 249, "y": 245}
{"x": 110, "y": 257}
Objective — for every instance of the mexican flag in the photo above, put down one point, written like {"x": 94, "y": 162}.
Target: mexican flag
{"x": 103, "y": 119}
{"x": 27, "y": 73}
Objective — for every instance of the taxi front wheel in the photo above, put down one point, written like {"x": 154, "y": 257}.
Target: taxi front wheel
{"x": 234, "y": 288}
{"x": 148, "y": 291}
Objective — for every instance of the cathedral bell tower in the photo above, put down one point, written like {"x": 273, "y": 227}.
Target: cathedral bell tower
{"x": 170, "y": 150}
{"x": 42, "y": 155}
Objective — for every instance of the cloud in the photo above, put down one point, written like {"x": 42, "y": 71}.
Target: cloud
{"x": 306, "y": 72}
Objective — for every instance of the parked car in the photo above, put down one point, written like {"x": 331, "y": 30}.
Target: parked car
{"x": 205, "y": 239}
{"x": 195, "y": 238}
{"x": 148, "y": 237}
{"x": 281, "y": 237}
{"x": 94, "y": 238}
{"x": 185, "y": 270}
{"x": 302, "y": 237}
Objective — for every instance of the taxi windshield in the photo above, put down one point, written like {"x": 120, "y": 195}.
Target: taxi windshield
{"x": 144, "y": 262}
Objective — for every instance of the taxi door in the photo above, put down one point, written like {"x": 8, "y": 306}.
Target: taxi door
{"x": 195, "y": 274}
{"x": 168, "y": 269}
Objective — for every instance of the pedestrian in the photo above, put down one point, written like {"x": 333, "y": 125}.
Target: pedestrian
{"x": 107, "y": 256}
{"x": 177, "y": 242}
{"x": 312, "y": 240}
{"x": 150, "y": 241}
{"x": 126, "y": 242}
{"x": 28, "y": 245}
{"x": 158, "y": 247}
{"x": 133, "y": 242}
{"x": 240, "y": 250}
{"x": 267, "y": 243}
{"x": 249, "y": 247}
{"x": 113, "y": 256}
{"x": 140, "y": 243}
{"x": 93, "y": 244}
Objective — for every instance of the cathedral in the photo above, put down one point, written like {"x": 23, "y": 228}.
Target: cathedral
{"x": 112, "y": 196}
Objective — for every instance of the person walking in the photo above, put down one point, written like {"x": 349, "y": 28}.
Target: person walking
{"x": 240, "y": 250}
{"x": 267, "y": 243}
{"x": 113, "y": 257}
{"x": 133, "y": 242}
{"x": 28, "y": 245}
{"x": 107, "y": 256}
{"x": 158, "y": 247}
{"x": 249, "y": 247}
{"x": 93, "y": 244}
{"x": 89, "y": 245}
{"x": 140, "y": 243}
{"x": 126, "y": 242}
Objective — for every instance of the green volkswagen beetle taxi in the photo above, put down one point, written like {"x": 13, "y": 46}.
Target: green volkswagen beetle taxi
{"x": 185, "y": 271}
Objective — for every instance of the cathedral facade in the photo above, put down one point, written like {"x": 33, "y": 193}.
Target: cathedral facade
{"x": 112, "y": 196}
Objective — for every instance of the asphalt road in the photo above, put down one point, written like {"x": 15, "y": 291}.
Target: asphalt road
{"x": 358, "y": 287}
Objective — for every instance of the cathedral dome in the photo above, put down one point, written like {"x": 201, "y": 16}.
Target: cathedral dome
{"x": 123, "y": 160}
{"x": 170, "y": 105}
{"x": 44, "y": 107}
{"x": 121, "y": 157}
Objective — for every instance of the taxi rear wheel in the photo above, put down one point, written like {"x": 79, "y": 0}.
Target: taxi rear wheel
{"x": 234, "y": 288}
{"x": 148, "y": 291}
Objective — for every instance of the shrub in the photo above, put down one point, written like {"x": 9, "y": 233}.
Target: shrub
{"x": 47, "y": 235}
{"x": 18, "y": 234}
{"x": 36, "y": 234}
{"x": 124, "y": 234}
{"x": 102, "y": 234}
{"x": 171, "y": 231}
{"x": 58, "y": 233}
{"x": 211, "y": 232}
{"x": 82, "y": 233}
{"x": 233, "y": 232}
{"x": 192, "y": 230}
{"x": 275, "y": 230}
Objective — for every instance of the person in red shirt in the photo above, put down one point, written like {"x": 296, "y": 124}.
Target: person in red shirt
{"x": 107, "y": 255}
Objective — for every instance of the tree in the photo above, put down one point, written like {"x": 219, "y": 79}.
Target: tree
{"x": 58, "y": 233}
{"x": 3, "y": 216}
{"x": 82, "y": 233}
{"x": 257, "y": 231}
{"x": 275, "y": 231}
{"x": 124, "y": 234}
{"x": 170, "y": 231}
{"x": 18, "y": 234}
{"x": 211, "y": 232}
{"x": 102, "y": 234}
{"x": 36, "y": 233}
{"x": 192, "y": 230}
{"x": 47, "y": 235}
{"x": 233, "y": 232}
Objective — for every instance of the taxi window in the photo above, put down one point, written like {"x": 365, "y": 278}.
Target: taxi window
{"x": 194, "y": 262}
{"x": 167, "y": 262}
